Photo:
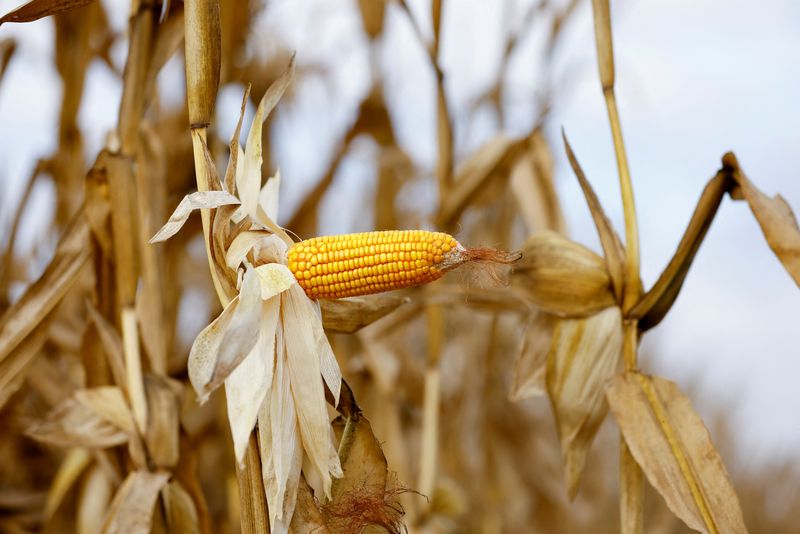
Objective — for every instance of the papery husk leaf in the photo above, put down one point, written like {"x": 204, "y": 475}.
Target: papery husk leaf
{"x": 584, "y": 355}
{"x": 248, "y": 183}
{"x": 191, "y": 202}
{"x": 269, "y": 196}
{"x": 235, "y": 149}
{"x": 71, "y": 254}
{"x": 112, "y": 344}
{"x": 672, "y": 445}
{"x": 131, "y": 510}
{"x": 349, "y": 315}
{"x": 71, "y": 468}
{"x": 250, "y": 382}
{"x": 179, "y": 508}
{"x": 37, "y": 9}
{"x": 563, "y": 277}
{"x": 329, "y": 367}
{"x": 274, "y": 278}
{"x": 205, "y": 350}
{"x": 241, "y": 245}
{"x": 307, "y": 384}
{"x": 778, "y": 222}
{"x": 241, "y": 335}
{"x": 281, "y": 450}
{"x": 531, "y": 180}
{"x": 530, "y": 365}
{"x": 73, "y": 424}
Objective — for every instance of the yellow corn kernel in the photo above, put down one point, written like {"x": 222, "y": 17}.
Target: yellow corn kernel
{"x": 371, "y": 262}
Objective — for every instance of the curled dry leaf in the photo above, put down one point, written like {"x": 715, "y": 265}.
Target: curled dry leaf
{"x": 672, "y": 445}
{"x": 93, "y": 501}
{"x": 179, "y": 508}
{"x": 564, "y": 277}
{"x": 191, "y": 202}
{"x": 163, "y": 423}
{"x": 73, "y": 424}
{"x": 43, "y": 295}
{"x": 352, "y": 314}
{"x": 131, "y": 511}
{"x": 777, "y": 221}
{"x": 16, "y": 364}
{"x": 71, "y": 468}
{"x": 583, "y": 356}
{"x": 37, "y": 9}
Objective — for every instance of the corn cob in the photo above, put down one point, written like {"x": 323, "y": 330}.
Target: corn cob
{"x": 360, "y": 264}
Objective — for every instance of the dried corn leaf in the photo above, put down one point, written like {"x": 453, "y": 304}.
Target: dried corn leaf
{"x": 16, "y": 364}
{"x": 191, "y": 202}
{"x": 37, "y": 9}
{"x": 71, "y": 468}
{"x": 530, "y": 365}
{"x": 163, "y": 423}
{"x": 203, "y": 355}
{"x": 352, "y": 314}
{"x": 179, "y": 508}
{"x": 93, "y": 501}
{"x": 110, "y": 404}
{"x": 563, "y": 277}
{"x": 274, "y": 278}
{"x": 248, "y": 182}
{"x": 131, "y": 511}
{"x": 473, "y": 175}
{"x": 42, "y": 296}
{"x": 583, "y": 356}
{"x": 672, "y": 445}
{"x": 242, "y": 333}
{"x": 612, "y": 246}
{"x": 73, "y": 424}
{"x": 307, "y": 518}
{"x": 777, "y": 221}
{"x": 363, "y": 496}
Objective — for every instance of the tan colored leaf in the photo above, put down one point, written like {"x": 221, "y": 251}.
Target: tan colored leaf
{"x": 274, "y": 278}
{"x": 205, "y": 349}
{"x": 530, "y": 365}
{"x": 40, "y": 298}
{"x": 248, "y": 183}
{"x": 352, "y": 314}
{"x": 37, "y": 9}
{"x": 248, "y": 384}
{"x": 16, "y": 364}
{"x": 163, "y": 423}
{"x": 583, "y": 356}
{"x": 778, "y": 222}
{"x": 307, "y": 518}
{"x": 179, "y": 509}
{"x": 531, "y": 181}
{"x": 363, "y": 496}
{"x": 307, "y": 386}
{"x": 73, "y": 424}
{"x": 563, "y": 277}
{"x": 672, "y": 445}
{"x": 93, "y": 501}
{"x": 131, "y": 511}
{"x": 71, "y": 468}
{"x": 190, "y": 203}
{"x": 241, "y": 335}
{"x": 109, "y": 403}
{"x": 612, "y": 246}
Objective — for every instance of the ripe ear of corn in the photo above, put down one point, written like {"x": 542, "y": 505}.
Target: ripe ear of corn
{"x": 350, "y": 265}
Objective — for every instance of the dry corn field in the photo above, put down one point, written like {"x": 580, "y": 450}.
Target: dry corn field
{"x": 186, "y": 351}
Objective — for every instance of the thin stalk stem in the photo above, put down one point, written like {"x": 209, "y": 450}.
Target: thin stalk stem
{"x": 632, "y": 281}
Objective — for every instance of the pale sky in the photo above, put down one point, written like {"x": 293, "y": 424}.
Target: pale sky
{"x": 693, "y": 79}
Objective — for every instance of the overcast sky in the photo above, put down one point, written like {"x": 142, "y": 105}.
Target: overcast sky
{"x": 694, "y": 79}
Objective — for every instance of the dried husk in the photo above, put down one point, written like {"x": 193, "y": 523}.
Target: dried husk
{"x": 563, "y": 277}
{"x": 584, "y": 355}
